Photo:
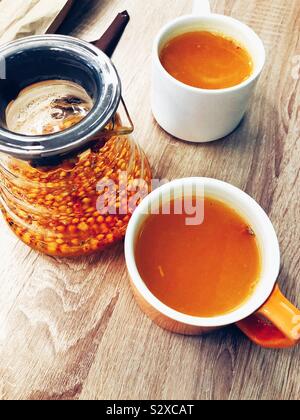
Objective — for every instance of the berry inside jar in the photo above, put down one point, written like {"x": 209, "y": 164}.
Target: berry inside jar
{"x": 70, "y": 173}
{"x": 55, "y": 209}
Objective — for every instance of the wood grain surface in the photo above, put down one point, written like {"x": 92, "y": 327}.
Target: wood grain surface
{"x": 70, "y": 329}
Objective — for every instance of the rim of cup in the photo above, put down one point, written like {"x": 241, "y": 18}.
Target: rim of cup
{"x": 267, "y": 240}
{"x": 216, "y": 18}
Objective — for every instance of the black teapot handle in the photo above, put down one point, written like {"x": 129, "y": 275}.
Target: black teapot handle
{"x": 111, "y": 37}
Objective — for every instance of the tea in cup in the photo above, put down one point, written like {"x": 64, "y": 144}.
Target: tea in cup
{"x": 204, "y": 72}
{"x": 192, "y": 278}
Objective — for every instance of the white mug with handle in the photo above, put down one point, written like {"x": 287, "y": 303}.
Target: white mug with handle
{"x": 202, "y": 115}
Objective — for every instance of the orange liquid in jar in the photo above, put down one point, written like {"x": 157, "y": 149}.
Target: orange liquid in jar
{"x": 207, "y": 60}
{"x": 206, "y": 270}
{"x": 54, "y": 210}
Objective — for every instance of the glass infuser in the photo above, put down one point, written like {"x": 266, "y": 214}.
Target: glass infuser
{"x": 50, "y": 184}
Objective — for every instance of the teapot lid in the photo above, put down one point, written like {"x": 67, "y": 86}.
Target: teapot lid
{"x": 57, "y": 57}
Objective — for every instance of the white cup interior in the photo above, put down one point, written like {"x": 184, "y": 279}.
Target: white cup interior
{"x": 225, "y": 25}
{"x": 251, "y": 212}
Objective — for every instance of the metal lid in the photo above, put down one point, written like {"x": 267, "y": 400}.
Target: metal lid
{"x": 51, "y": 57}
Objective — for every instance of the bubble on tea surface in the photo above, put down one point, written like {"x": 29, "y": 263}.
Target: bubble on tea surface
{"x": 48, "y": 107}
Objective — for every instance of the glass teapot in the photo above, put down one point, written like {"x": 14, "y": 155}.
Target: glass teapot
{"x": 71, "y": 192}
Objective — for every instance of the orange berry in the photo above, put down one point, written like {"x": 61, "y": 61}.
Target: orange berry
{"x": 83, "y": 227}
{"x": 94, "y": 244}
{"x": 72, "y": 229}
{"x": 49, "y": 197}
{"x": 27, "y": 238}
{"x": 100, "y": 219}
{"x": 65, "y": 249}
{"x": 95, "y": 227}
{"x": 110, "y": 237}
{"x": 104, "y": 228}
{"x": 52, "y": 247}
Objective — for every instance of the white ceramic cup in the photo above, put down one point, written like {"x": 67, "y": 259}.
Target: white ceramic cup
{"x": 201, "y": 115}
{"x": 266, "y": 301}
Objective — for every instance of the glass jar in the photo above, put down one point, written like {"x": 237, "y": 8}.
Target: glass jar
{"x": 70, "y": 193}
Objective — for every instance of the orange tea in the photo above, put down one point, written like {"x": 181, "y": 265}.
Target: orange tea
{"x": 205, "y": 270}
{"x": 207, "y": 60}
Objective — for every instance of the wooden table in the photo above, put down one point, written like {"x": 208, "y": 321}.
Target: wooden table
{"x": 71, "y": 329}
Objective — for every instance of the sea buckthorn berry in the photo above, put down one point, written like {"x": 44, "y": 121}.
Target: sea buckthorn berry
{"x": 65, "y": 249}
{"x": 52, "y": 247}
{"x": 94, "y": 244}
{"x": 27, "y": 238}
{"x": 104, "y": 228}
{"x": 66, "y": 221}
{"x": 49, "y": 197}
{"x": 61, "y": 228}
{"x": 19, "y": 232}
{"x": 38, "y": 237}
{"x": 72, "y": 229}
{"x": 110, "y": 237}
{"x": 83, "y": 227}
{"x": 95, "y": 228}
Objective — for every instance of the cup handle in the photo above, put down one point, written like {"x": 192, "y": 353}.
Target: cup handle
{"x": 275, "y": 325}
{"x": 201, "y": 7}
